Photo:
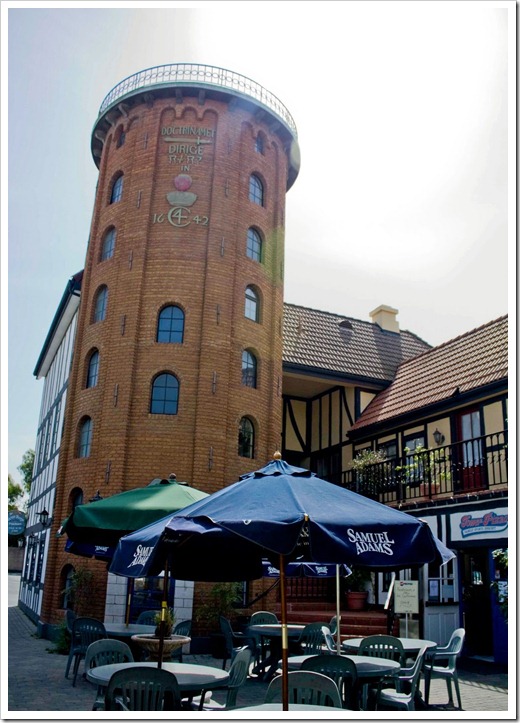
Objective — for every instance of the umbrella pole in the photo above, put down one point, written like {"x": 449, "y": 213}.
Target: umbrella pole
{"x": 285, "y": 639}
{"x": 129, "y": 599}
{"x": 162, "y": 624}
{"x": 338, "y": 613}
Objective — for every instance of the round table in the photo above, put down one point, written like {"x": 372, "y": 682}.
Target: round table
{"x": 273, "y": 631}
{"x": 410, "y": 645}
{"x": 122, "y": 630}
{"x": 192, "y": 679}
{"x": 325, "y": 709}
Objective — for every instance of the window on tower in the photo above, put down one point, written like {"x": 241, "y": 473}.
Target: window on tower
{"x": 252, "y": 306}
{"x": 259, "y": 144}
{"x": 100, "y": 304}
{"x": 246, "y": 438}
{"x": 249, "y": 366}
{"x": 254, "y": 245}
{"x": 85, "y": 437}
{"x": 109, "y": 242}
{"x": 93, "y": 369}
{"x": 170, "y": 325}
{"x": 256, "y": 190}
{"x": 117, "y": 189}
{"x": 165, "y": 394}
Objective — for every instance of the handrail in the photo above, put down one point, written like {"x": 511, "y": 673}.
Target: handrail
{"x": 187, "y": 73}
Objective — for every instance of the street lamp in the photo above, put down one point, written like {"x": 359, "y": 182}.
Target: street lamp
{"x": 44, "y": 517}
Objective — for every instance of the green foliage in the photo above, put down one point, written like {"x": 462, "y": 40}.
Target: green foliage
{"x": 81, "y": 590}
{"x": 223, "y": 599}
{"x": 423, "y": 464}
{"x": 14, "y": 492}
{"x": 26, "y": 469}
{"x": 357, "y": 580}
{"x": 169, "y": 619}
{"x": 62, "y": 641}
{"x": 369, "y": 474}
{"x": 366, "y": 458}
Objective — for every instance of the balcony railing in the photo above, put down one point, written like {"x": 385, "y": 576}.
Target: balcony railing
{"x": 461, "y": 468}
{"x": 193, "y": 73}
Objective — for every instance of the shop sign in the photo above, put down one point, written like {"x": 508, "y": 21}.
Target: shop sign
{"x": 406, "y": 596}
{"x": 485, "y": 524}
{"x": 16, "y": 523}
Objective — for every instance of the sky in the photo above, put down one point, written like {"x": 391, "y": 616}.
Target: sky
{"x": 404, "y": 113}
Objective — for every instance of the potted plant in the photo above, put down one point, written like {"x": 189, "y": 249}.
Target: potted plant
{"x": 169, "y": 622}
{"x": 222, "y": 600}
{"x": 369, "y": 471}
{"x": 356, "y": 585}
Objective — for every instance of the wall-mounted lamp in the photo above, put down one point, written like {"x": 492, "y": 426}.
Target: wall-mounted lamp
{"x": 438, "y": 437}
{"x": 96, "y": 497}
{"x": 20, "y": 541}
{"x": 44, "y": 517}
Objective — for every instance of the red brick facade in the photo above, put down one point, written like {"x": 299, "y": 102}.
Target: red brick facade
{"x": 192, "y": 256}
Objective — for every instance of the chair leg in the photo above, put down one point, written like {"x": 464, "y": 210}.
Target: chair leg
{"x": 77, "y": 661}
{"x": 450, "y": 692}
{"x": 427, "y": 679}
{"x": 69, "y": 661}
{"x": 457, "y": 690}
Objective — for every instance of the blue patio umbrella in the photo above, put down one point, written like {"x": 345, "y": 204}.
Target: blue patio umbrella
{"x": 281, "y": 513}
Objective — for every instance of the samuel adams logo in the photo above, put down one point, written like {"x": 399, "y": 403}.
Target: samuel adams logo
{"x": 371, "y": 542}
{"x": 141, "y": 555}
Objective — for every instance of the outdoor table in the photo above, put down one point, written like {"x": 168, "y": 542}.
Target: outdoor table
{"x": 369, "y": 669}
{"x": 302, "y": 707}
{"x": 410, "y": 645}
{"x": 192, "y": 679}
{"x": 273, "y": 631}
{"x": 124, "y": 631}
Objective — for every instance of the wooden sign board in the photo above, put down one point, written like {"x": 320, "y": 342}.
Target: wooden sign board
{"x": 406, "y": 596}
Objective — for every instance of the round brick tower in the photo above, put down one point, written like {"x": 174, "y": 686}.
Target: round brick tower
{"x": 178, "y": 352}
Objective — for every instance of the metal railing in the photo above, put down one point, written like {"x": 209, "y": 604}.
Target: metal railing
{"x": 459, "y": 468}
{"x": 187, "y": 73}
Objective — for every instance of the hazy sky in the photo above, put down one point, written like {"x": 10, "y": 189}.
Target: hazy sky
{"x": 402, "y": 116}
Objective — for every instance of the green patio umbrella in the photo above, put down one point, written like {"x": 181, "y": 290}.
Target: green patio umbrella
{"x": 106, "y": 520}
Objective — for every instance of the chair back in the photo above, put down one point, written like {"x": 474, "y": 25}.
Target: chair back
{"x": 238, "y": 675}
{"x": 143, "y": 688}
{"x": 412, "y": 675}
{"x": 227, "y": 632}
{"x": 263, "y": 617}
{"x": 107, "y": 652}
{"x": 312, "y": 638}
{"x": 383, "y": 646}
{"x": 307, "y": 687}
{"x": 448, "y": 655}
{"x": 87, "y": 631}
{"x": 182, "y": 628}
{"x": 148, "y": 617}
{"x": 342, "y": 671}
{"x": 333, "y": 625}
{"x": 70, "y": 616}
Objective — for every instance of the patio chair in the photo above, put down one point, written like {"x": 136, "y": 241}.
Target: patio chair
{"x": 342, "y": 671}
{"x": 182, "y": 628}
{"x": 143, "y": 688}
{"x": 233, "y": 641}
{"x": 312, "y": 639}
{"x": 148, "y": 617}
{"x": 383, "y": 646}
{"x": 307, "y": 687}
{"x": 407, "y": 677}
{"x": 261, "y": 617}
{"x": 237, "y": 677}
{"x": 448, "y": 668}
{"x": 105, "y": 652}
{"x": 84, "y": 632}
{"x": 333, "y": 625}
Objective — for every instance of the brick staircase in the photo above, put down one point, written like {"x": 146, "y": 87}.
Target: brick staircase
{"x": 354, "y": 623}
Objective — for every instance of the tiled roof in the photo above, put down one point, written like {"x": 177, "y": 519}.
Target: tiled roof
{"x": 343, "y": 345}
{"x": 466, "y": 363}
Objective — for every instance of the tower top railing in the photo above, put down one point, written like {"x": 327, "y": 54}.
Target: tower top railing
{"x": 194, "y": 73}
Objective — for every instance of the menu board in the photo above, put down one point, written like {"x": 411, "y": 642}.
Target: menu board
{"x": 406, "y": 596}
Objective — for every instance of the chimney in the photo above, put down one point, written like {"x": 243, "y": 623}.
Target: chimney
{"x": 385, "y": 317}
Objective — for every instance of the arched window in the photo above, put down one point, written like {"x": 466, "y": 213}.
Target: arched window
{"x": 117, "y": 189}
{"x": 93, "y": 369}
{"x": 120, "y": 137}
{"x": 254, "y": 245}
{"x": 100, "y": 305}
{"x": 248, "y": 369}
{"x": 259, "y": 144}
{"x": 165, "y": 394}
{"x": 170, "y": 326}
{"x": 85, "y": 437}
{"x": 109, "y": 242}
{"x": 76, "y": 497}
{"x": 252, "y": 305}
{"x": 246, "y": 438}
{"x": 256, "y": 190}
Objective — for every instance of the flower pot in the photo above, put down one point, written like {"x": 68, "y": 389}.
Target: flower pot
{"x": 150, "y": 643}
{"x": 357, "y": 600}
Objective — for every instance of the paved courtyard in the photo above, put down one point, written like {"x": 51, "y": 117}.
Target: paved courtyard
{"x": 36, "y": 682}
